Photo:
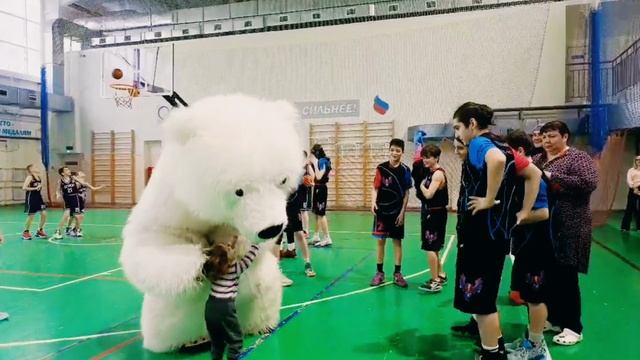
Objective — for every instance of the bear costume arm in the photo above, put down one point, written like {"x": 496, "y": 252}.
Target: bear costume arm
{"x": 168, "y": 269}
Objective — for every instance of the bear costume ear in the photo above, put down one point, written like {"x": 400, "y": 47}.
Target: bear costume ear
{"x": 286, "y": 109}
{"x": 179, "y": 127}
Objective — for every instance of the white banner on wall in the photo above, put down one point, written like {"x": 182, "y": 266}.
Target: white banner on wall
{"x": 19, "y": 128}
{"x": 329, "y": 109}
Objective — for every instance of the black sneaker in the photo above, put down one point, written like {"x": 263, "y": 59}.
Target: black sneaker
{"x": 486, "y": 355}
{"x": 501, "y": 354}
{"x": 431, "y": 286}
{"x": 469, "y": 329}
{"x": 443, "y": 280}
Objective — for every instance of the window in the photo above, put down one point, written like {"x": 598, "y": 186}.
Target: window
{"x": 13, "y": 58}
{"x": 33, "y": 35}
{"x": 14, "y": 7}
{"x": 33, "y": 10}
{"x": 34, "y": 63}
{"x": 476, "y": 2}
{"x": 315, "y": 16}
{"x": 157, "y": 34}
{"x": 127, "y": 38}
{"x": 393, "y": 8}
{"x": 248, "y": 23}
{"x": 351, "y": 11}
{"x": 185, "y": 31}
{"x": 12, "y": 29}
{"x": 431, "y": 4}
{"x": 284, "y": 18}
{"x": 21, "y": 36}
{"x": 217, "y": 27}
{"x": 102, "y": 41}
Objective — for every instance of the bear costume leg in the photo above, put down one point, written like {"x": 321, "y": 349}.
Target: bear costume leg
{"x": 169, "y": 323}
{"x": 260, "y": 293}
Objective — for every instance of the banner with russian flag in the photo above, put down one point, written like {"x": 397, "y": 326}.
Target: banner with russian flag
{"x": 380, "y": 106}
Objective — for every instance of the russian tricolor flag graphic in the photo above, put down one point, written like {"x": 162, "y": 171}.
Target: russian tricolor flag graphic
{"x": 380, "y": 106}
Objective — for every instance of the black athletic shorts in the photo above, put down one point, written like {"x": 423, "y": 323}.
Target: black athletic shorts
{"x": 433, "y": 226}
{"x": 384, "y": 226}
{"x": 320, "y": 199}
{"x": 294, "y": 219}
{"x": 33, "y": 203}
{"x": 533, "y": 256}
{"x": 74, "y": 204}
{"x": 479, "y": 265}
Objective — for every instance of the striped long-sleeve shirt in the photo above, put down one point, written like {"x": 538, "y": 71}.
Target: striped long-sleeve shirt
{"x": 226, "y": 286}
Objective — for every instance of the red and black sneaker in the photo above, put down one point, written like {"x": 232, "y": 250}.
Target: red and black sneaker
{"x": 26, "y": 235}
{"x": 41, "y": 234}
{"x": 290, "y": 254}
{"x": 515, "y": 298}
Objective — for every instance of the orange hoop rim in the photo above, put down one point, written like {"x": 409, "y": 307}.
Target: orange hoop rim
{"x": 131, "y": 90}
{"x": 123, "y": 87}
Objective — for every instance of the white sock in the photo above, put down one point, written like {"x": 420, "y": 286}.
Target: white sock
{"x": 291, "y": 246}
{"x": 535, "y": 338}
{"x": 490, "y": 348}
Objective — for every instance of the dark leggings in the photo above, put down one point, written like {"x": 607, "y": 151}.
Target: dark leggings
{"x": 564, "y": 302}
{"x": 632, "y": 210}
{"x": 224, "y": 328}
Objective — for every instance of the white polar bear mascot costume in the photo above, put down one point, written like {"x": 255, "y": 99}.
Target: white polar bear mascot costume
{"x": 226, "y": 160}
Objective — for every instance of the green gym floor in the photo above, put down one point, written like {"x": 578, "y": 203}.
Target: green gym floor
{"x": 69, "y": 299}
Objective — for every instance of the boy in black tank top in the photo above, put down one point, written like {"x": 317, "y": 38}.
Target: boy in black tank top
{"x": 487, "y": 213}
{"x": 294, "y": 229}
{"x": 83, "y": 185}
{"x": 308, "y": 181}
{"x": 389, "y": 197}
{"x": 34, "y": 203}
{"x": 431, "y": 189}
{"x": 68, "y": 190}
{"x": 321, "y": 168}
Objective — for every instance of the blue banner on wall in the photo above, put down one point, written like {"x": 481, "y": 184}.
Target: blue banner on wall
{"x": 10, "y": 127}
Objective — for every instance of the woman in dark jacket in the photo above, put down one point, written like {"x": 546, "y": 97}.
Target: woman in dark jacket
{"x": 572, "y": 178}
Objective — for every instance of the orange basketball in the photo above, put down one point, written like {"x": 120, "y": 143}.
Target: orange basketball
{"x": 307, "y": 180}
{"x": 117, "y": 74}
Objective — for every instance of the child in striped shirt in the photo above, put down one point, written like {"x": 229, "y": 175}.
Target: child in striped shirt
{"x": 223, "y": 271}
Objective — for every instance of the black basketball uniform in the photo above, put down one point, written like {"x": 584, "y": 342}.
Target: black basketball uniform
{"x": 392, "y": 184}
{"x": 433, "y": 215}
{"x": 483, "y": 238}
{"x": 82, "y": 196}
{"x": 533, "y": 250}
{"x": 320, "y": 192}
{"x": 71, "y": 195}
{"x": 307, "y": 193}
{"x": 294, "y": 207}
{"x": 33, "y": 201}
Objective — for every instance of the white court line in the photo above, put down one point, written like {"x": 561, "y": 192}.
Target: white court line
{"x": 81, "y": 279}
{"x": 53, "y": 241}
{"x": 444, "y": 259}
{"x": 49, "y": 341}
{"x": 122, "y": 225}
{"x": 56, "y": 224}
{"x": 36, "y": 342}
{"x": 108, "y": 272}
{"x": 18, "y": 288}
{"x": 369, "y": 232}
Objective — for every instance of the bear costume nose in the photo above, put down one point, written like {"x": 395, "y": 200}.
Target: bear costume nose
{"x": 270, "y": 232}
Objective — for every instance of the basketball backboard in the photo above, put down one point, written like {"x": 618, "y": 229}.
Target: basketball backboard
{"x": 148, "y": 69}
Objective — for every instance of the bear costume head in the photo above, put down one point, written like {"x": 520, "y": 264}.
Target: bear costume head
{"x": 233, "y": 159}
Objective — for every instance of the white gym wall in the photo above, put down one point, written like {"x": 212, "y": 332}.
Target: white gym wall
{"x": 423, "y": 67}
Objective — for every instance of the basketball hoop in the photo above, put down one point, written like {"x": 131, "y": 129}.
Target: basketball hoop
{"x": 124, "y": 93}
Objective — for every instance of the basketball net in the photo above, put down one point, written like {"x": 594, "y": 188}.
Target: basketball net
{"x": 124, "y": 94}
